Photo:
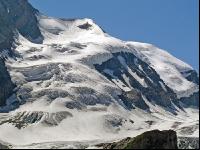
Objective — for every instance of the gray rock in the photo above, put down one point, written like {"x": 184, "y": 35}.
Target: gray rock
{"x": 188, "y": 142}
{"x": 6, "y": 85}
{"x": 192, "y": 100}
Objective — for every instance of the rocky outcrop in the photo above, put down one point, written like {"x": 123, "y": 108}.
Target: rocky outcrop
{"x": 192, "y": 76}
{"x": 188, "y": 143}
{"x": 6, "y": 85}
{"x": 192, "y": 100}
{"x": 154, "y": 139}
{"x": 17, "y": 15}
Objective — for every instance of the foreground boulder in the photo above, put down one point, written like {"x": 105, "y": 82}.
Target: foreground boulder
{"x": 154, "y": 139}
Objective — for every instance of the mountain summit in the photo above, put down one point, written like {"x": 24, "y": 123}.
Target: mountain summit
{"x": 68, "y": 80}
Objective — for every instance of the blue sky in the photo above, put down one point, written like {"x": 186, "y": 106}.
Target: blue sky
{"x": 169, "y": 24}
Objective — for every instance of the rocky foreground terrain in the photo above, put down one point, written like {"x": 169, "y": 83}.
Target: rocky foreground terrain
{"x": 154, "y": 139}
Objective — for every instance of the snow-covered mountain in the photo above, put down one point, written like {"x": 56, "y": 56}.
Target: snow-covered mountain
{"x": 69, "y": 80}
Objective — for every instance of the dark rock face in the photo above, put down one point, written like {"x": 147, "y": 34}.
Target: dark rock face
{"x": 17, "y": 15}
{"x": 192, "y": 100}
{"x": 6, "y": 86}
{"x": 154, "y": 139}
{"x": 192, "y": 76}
{"x": 155, "y": 89}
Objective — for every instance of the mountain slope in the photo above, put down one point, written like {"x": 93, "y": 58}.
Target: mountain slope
{"x": 84, "y": 84}
{"x": 15, "y": 16}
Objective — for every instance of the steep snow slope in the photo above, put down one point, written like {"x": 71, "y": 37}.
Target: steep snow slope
{"x": 82, "y": 84}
